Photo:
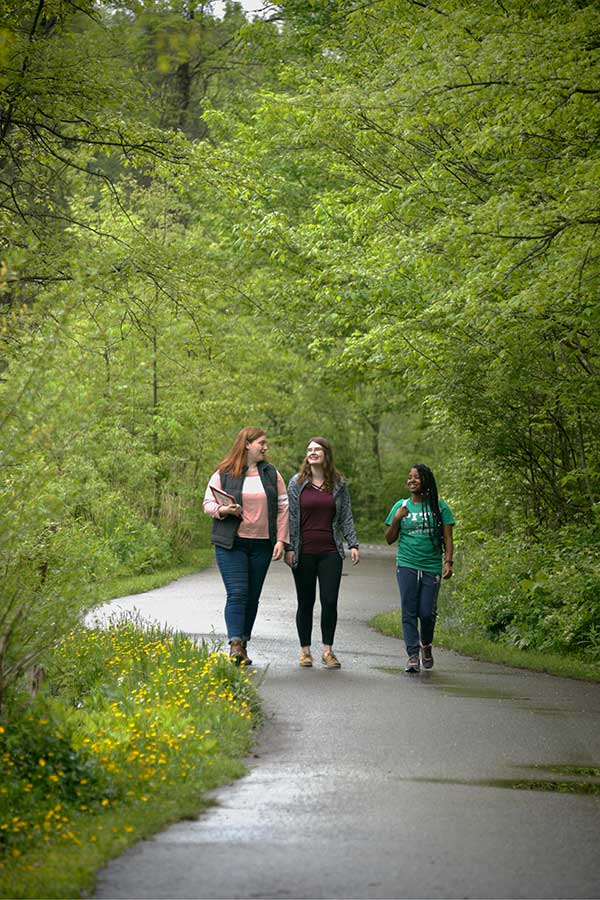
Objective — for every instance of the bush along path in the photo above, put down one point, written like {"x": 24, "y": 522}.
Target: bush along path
{"x": 133, "y": 725}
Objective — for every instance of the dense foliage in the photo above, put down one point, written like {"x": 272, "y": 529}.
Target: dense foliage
{"x": 374, "y": 220}
{"x": 427, "y": 189}
{"x": 434, "y": 175}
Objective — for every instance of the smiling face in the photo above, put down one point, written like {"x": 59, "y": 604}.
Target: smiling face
{"x": 257, "y": 449}
{"x": 315, "y": 454}
{"x": 413, "y": 482}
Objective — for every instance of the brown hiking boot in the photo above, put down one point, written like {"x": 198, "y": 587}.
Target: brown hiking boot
{"x": 246, "y": 660}
{"x": 236, "y": 652}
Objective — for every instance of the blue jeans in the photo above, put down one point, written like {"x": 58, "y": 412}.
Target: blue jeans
{"x": 243, "y": 570}
{"x": 418, "y": 598}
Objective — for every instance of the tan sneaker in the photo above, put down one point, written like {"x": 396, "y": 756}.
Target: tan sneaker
{"x": 306, "y": 660}
{"x": 330, "y": 661}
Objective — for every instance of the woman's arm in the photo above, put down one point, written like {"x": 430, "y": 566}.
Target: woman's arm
{"x": 393, "y": 529}
{"x": 210, "y": 505}
{"x": 449, "y": 553}
{"x": 283, "y": 528}
{"x": 283, "y": 525}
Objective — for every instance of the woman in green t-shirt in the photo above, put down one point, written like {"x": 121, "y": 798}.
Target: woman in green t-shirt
{"x": 422, "y": 525}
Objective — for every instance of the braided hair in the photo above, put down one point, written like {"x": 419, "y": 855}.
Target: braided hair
{"x": 434, "y": 522}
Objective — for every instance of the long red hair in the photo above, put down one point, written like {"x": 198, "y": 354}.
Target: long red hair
{"x": 235, "y": 460}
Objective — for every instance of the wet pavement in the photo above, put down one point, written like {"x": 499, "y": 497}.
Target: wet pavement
{"x": 472, "y": 780}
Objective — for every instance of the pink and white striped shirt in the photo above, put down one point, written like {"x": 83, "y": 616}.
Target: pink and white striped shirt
{"x": 255, "y": 523}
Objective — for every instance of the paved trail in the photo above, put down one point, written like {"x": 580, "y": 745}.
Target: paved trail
{"x": 370, "y": 783}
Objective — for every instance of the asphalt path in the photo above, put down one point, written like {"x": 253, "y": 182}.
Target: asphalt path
{"x": 367, "y": 782}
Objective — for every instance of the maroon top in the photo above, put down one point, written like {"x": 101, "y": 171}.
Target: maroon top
{"x": 317, "y": 509}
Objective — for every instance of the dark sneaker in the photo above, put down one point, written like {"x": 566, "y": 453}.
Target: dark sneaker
{"x": 413, "y": 664}
{"x": 427, "y": 656}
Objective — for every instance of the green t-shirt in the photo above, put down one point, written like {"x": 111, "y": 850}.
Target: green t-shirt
{"x": 416, "y": 550}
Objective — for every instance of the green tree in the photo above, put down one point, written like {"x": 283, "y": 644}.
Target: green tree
{"x": 446, "y": 231}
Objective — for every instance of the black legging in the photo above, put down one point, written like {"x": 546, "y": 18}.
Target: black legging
{"x": 327, "y": 568}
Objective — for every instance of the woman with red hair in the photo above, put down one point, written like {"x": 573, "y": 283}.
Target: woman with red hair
{"x": 247, "y": 499}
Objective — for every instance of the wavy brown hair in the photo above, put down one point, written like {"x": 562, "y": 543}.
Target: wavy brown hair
{"x": 235, "y": 460}
{"x": 332, "y": 476}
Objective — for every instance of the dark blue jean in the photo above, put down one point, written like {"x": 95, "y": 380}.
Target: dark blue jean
{"x": 418, "y": 598}
{"x": 243, "y": 570}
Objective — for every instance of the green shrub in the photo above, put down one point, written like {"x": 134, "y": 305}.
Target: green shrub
{"x": 131, "y": 715}
{"x": 49, "y": 773}
{"x": 534, "y": 592}
{"x": 137, "y": 544}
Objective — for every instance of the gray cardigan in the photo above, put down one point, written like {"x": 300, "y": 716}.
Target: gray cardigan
{"x": 343, "y": 523}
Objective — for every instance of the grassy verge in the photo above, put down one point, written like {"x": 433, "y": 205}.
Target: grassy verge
{"x": 137, "y": 584}
{"x": 492, "y": 651}
{"x": 135, "y": 725}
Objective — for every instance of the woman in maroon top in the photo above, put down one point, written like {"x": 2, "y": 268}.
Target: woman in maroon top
{"x": 320, "y": 520}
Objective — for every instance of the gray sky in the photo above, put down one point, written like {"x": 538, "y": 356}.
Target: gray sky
{"x": 253, "y": 7}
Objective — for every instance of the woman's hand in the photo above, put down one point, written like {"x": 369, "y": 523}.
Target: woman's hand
{"x": 278, "y": 550}
{"x": 401, "y": 513}
{"x": 234, "y": 509}
{"x": 447, "y": 571}
{"x": 355, "y": 555}
{"x": 290, "y": 558}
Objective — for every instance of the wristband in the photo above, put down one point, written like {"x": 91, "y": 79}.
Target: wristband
{"x": 449, "y": 562}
